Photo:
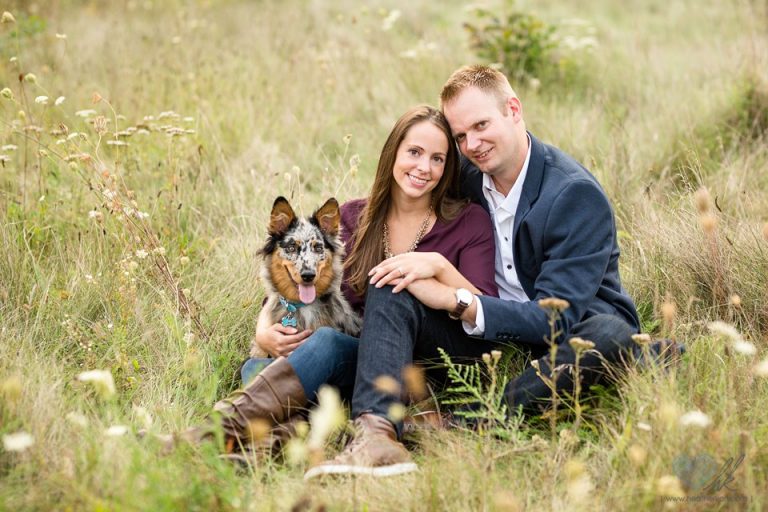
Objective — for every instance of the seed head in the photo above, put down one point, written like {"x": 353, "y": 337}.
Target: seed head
{"x": 761, "y": 369}
{"x": 637, "y": 455}
{"x": 641, "y": 339}
{"x": 100, "y": 125}
{"x": 487, "y": 358}
{"x": 735, "y": 301}
{"x": 11, "y": 389}
{"x": 708, "y": 223}
{"x": 396, "y": 412}
{"x": 96, "y": 98}
{"x": 668, "y": 313}
{"x": 669, "y": 485}
{"x": 8, "y": 94}
{"x": 347, "y": 139}
{"x": 31, "y": 78}
{"x": 554, "y": 304}
{"x": 415, "y": 383}
{"x": 387, "y": 384}
{"x": 8, "y": 17}
{"x": 579, "y": 344}
{"x": 744, "y": 348}
{"x": 496, "y": 355}
{"x": 702, "y": 200}
{"x": 184, "y": 261}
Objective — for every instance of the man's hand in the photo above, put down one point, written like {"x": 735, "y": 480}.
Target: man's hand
{"x": 404, "y": 269}
{"x": 278, "y": 340}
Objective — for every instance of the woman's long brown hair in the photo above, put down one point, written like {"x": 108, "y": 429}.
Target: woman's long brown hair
{"x": 368, "y": 248}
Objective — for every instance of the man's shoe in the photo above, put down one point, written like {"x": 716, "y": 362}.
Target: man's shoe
{"x": 374, "y": 451}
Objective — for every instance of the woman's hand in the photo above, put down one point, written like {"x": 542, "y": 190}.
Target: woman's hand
{"x": 404, "y": 269}
{"x": 278, "y": 340}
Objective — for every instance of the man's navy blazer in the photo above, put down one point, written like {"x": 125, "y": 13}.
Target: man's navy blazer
{"x": 564, "y": 246}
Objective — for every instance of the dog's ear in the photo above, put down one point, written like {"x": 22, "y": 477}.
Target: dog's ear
{"x": 281, "y": 217}
{"x": 327, "y": 217}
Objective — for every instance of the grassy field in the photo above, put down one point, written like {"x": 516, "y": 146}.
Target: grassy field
{"x": 144, "y": 141}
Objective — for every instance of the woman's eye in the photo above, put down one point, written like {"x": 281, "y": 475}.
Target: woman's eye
{"x": 439, "y": 159}
{"x": 413, "y": 152}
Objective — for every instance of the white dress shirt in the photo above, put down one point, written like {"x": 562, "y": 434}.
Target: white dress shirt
{"x": 502, "y": 209}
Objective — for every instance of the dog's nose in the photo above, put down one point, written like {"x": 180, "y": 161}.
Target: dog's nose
{"x": 307, "y": 277}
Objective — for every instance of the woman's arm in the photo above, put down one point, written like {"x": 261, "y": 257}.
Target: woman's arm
{"x": 474, "y": 269}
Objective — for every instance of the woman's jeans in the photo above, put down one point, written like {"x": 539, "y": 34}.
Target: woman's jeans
{"x": 326, "y": 357}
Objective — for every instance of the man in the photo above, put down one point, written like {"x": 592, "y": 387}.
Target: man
{"x": 555, "y": 238}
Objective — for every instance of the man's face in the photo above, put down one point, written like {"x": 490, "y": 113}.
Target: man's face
{"x": 486, "y": 131}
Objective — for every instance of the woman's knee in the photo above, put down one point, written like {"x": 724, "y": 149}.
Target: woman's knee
{"x": 329, "y": 344}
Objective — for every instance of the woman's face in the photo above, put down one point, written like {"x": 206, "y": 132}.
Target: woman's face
{"x": 420, "y": 160}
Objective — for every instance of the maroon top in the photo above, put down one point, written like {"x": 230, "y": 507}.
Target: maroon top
{"x": 467, "y": 242}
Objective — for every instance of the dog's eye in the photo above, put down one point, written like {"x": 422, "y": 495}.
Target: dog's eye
{"x": 318, "y": 248}
{"x": 290, "y": 248}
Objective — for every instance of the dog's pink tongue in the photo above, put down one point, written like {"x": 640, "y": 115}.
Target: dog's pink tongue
{"x": 307, "y": 293}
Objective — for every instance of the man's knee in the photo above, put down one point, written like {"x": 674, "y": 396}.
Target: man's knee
{"x": 606, "y": 331}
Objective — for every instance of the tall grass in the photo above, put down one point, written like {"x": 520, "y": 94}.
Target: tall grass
{"x": 263, "y": 96}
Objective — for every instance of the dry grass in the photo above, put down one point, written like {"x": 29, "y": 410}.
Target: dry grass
{"x": 674, "y": 99}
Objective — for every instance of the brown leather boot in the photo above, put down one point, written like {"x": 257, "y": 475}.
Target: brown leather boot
{"x": 374, "y": 451}
{"x": 273, "y": 396}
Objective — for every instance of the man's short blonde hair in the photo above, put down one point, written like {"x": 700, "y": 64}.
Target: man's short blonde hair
{"x": 484, "y": 78}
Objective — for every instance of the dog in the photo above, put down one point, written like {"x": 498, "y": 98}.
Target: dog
{"x": 303, "y": 269}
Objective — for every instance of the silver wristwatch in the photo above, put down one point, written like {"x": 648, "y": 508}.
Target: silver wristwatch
{"x": 464, "y": 298}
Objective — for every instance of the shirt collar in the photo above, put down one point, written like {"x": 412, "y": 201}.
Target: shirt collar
{"x": 509, "y": 203}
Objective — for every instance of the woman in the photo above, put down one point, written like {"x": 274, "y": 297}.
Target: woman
{"x": 413, "y": 206}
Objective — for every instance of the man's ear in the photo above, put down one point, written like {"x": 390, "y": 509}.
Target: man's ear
{"x": 327, "y": 217}
{"x": 515, "y": 108}
{"x": 281, "y": 217}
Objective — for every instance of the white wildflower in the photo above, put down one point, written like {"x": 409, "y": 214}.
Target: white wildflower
{"x": 142, "y": 416}
{"x": 141, "y": 254}
{"x": 390, "y": 20}
{"x": 61, "y": 36}
{"x": 101, "y": 379}
{"x": 116, "y": 431}
{"x": 326, "y": 417}
{"x": 695, "y": 419}
{"x": 9, "y": 147}
{"x": 643, "y": 426}
{"x": 85, "y": 113}
{"x": 142, "y": 215}
{"x": 17, "y": 442}
{"x": 116, "y": 143}
{"x": 59, "y": 100}
{"x": 77, "y": 419}
{"x": 159, "y": 250}
{"x": 4, "y": 158}
{"x": 42, "y": 100}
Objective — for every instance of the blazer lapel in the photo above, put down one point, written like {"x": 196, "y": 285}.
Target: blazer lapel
{"x": 532, "y": 183}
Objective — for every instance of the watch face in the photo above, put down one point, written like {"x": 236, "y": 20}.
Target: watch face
{"x": 464, "y": 296}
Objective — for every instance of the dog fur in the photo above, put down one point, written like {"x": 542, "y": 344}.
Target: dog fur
{"x": 303, "y": 259}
